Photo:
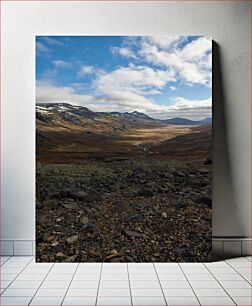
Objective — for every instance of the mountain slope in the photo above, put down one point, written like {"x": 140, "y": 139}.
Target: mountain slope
{"x": 134, "y": 116}
{"x": 67, "y": 116}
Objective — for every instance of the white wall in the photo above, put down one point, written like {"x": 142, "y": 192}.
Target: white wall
{"x": 228, "y": 23}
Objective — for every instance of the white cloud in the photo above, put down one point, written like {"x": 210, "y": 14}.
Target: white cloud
{"x": 197, "y": 49}
{"x": 173, "y": 88}
{"x": 123, "y": 101}
{"x": 191, "y": 62}
{"x": 61, "y": 64}
{"x": 162, "y": 42}
{"x": 185, "y": 108}
{"x": 128, "y": 101}
{"x": 44, "y": 44}
{"x": 47, "y": 93}
{"x": 118, "y": 100}
{"x": 123, "y": 51}
{"x": 50, "y": 75}
{"x": 126, "y": 87}
{"x": 186, "y": 104}
{"x": 85, "y": 70}
{"x": 41, "y": 49}
{"x": 52, "y": 41}
{"x": 137, "y": 79}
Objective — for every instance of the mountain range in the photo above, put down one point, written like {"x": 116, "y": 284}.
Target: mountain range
{"x": 67, "y": 114}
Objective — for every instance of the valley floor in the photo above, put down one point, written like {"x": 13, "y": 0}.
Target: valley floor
{"x": 140, "y": 195}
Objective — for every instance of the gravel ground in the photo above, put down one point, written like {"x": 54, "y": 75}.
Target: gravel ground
{"x": 124, "y": 211}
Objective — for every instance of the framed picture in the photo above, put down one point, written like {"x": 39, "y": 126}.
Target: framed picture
{"x": 123, "y": 148}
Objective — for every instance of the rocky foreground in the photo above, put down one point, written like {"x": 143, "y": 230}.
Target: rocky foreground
{"x": 123, "y": 211}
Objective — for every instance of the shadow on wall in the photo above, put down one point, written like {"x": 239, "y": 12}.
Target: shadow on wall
{"x": 226, "y": 221}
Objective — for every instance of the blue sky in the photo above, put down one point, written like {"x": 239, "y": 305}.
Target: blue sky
{"x": 164, "y": 76}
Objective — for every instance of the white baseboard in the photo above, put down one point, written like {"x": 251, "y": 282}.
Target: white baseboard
{"x": 222, "y": 247}
{"x": 17, "y": 247}
{"x": 231, "y": 247}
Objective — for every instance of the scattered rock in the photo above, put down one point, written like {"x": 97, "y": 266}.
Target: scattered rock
{"x": 137, "y": 218}
{"x": 208, "y": 161}
{"x": 145, "y": 192}
{"x": 79, "y": 195}
{"x": 115, "y": 259}
{"x": 45, "y": 258}
{"x": 154, "y": 213}
{"x": 180, "y": 173}
{"x": 133, "y": 234}
{"x": 204, "y": 171}
{"x": 55, "y": 243}
{"x": 94, "y": 253}
{"x": 50, "y": 203}
{"x": 51, "y": 193}
{"x": 50, "y": 238}
{"x": 70, "y": 258}
{"x": 179, "y": 205}
{"x": 84, "y": 220}
{"x": 113, "y": 254}
{"x": 179, "y": 250}
{"x": 151, "y": 185}
{"x": 205, "y": 201}
{"x": 70, "y": 205}
{"x": 72, "y": 239}
{"x": 129, "y": 258}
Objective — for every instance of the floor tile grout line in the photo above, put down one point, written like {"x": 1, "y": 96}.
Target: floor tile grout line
{"x": 70, "y": 283}
{"x": 229, "y": 261}
{"x": 247, "y": 259}
{"x": 235, "y": 271}
{"x": 240, "y": 273}
{"x": 189, "y": 284}
{"x": 221, "y": 285}
{"x": 98, "y": 288}
{"x": 160, "y": 284}
{"x": 16, "y": 276}
{"x": 41, "y": 283}
{"x": 9, "y": 257}
{"x": 131, "y": 298}
{"x": 1, "y": 266}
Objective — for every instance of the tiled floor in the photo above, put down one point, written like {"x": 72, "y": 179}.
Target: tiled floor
{"x": 24, "y": 282}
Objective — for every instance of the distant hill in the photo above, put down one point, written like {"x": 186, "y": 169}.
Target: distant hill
{"x": 207, "y": 120}
{"x": 184, "y": 121}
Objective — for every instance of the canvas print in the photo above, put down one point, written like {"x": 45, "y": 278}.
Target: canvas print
{"x": 123, "y": 148}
